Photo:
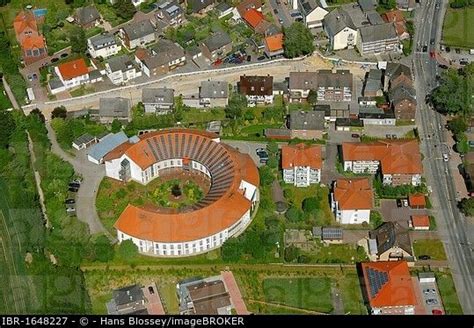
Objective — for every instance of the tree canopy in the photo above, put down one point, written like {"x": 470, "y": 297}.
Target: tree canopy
{"x": 7, "y": 122}
{"x": 125, "y": 9}
{"x": 78, "y": 40}
{"x": 298, "y": 40}
{"x": 466, "y": 205}
{"x": 59, "y": 112}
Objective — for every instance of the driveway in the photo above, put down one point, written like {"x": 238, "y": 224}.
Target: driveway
{"x": 382, "y": 131}
{"x": 329, "y": 172}
{"x": 283, "y": 14}
{"x": 92, "y": 175}
{"x": 247, "y": 147}
{"x": 391, "y": 212}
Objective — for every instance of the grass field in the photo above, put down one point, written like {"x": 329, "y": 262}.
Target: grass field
{"x": 352, "y": 295}
{"x": 458, "y": 28}
{"x": 433, "y": 248}
{"x": 305, "y": 293}
{"x": 448, "y": 293}
{"x": 4, "y": 101}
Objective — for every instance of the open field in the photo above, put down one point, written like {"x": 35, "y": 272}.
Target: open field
{"x": 458, "y": 28}
{"x": 432, "y": 247}
{"x": 448, "y": 293}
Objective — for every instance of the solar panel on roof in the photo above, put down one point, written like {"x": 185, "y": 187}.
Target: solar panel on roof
{"x": 377, "y": 280}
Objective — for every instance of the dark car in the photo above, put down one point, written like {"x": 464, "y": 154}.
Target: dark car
{"x": 464, "y": 61}
{"x": 448, "y": 49}
{"x": 249, "y": 58}
{"x": 355, "y": 135}
{"x": 425, "y": 48}
{"x": 72, "y": 189}
{"x": 437, "y": 5}
{"x": 70, "y": 201}
{"x": 424, "y": 257}
{"x": 275, "y": 11}
{"x": 261, "y": 58}
{"x": 432, "y": 41}
{"x": 458, "y": 51}
{"x": 151, "y": 290}
{"x": 74, "y": 185}
{"x": 443, "y": 66}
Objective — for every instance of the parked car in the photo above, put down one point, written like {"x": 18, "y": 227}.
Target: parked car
{"x": 431, "y": 301}
{"x": 432, "y": 41}
{"x": 445, "y": 157}
{"x": 437, "y": 312}
{"x": 150, "y": 289}
{"x": 261, "y": 58}
{"x": 70, "y": 201}
{"x": 394, "y": 136}
{"x": 402, "y": 202}
{"x": 448, "y": 49}
{"x": 463, "y": 61}
{"x": 263, "y": 160}
{"x": 388, "y": 136}
{"x": 275, "y": 11}
{"x": 249, "y": 58}
{"x": 355, "y": 135}
{"x": 437, "y": 5}
{"x": 72, "y": 189}
{"x": 74, "y": 185}
{"x": 424, "y": 257}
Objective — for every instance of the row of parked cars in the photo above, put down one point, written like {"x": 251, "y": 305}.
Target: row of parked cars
{"x": 71, "y": 202}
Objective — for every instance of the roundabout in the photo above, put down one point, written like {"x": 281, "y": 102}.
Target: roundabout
{"x": 206, "y": 191}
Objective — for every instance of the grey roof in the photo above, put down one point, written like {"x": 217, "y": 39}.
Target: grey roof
{"x": 374, "y": 33}
{"x": 300, "y": 120}
{"x": 214, "y": 89}
{"x": 349, "y": 15}
{"x": 375, "y": 74}
{"x": 217, "y": 41}
{"x": 307, "y": 6}
{"x": 158, "y": 96}
{"x": 139, "y": 30}
{"x": 390, "y": 235}
{"x": 55, "y": 83}
{"x": 214, "y": 126}
{"x": 316, "y": 231}
{"x": 339, "y": 79}
{"x": 102, "y": 40}
{"x": 331, "y": 233}
{"x": 402, "y": 92}
{"x": 170, "y": 8}
{"x": 120, "y": 63}
{"x": 198, "y": 5}
{"x": 114, "y": 107}
{"x": 106, "y": 145}
{"x": 367, "y": 5}
{"x": 95, "y": 74}
{"x": 129, "y": 294}
{"x": 162, "y": 53}
{"x": 281, "y": 86}
{"x": 222, "y": 7}
{"x": 84, "y": 139}
{"x": 393, "y": 70}
{"x": 303, "y": 80}
{"x": 375, "y": 18}
{"x": 87, "y": 15}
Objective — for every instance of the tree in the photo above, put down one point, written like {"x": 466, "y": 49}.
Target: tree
{"x": 291, "y": 253}
{"x": 310, "y": 204}
{"x": 116, "y": 126}
{"x": 266, "y": 176}
{"x": 312, "y": 97}
{"x": 294, "y": 214}
{"x": 458, "y": 125}
{"x": 104, "y": 250}
{"x": 8, "y": 126}
{"x": 127, "y": 250}
{"x": 466, "y": 205}
{"x": 59, "y": 112}
{"x": 388, "y": 4}
{"x": 38, "y": 113}
{"x": 78, "y": 40}
{"x": 234, "y": 108}
{"x": 125, "y": 9}
{"x": 298, "y": 40}
{"x": 272, "y": 147}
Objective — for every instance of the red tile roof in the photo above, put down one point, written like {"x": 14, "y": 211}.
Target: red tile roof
{"x": 417, "y": 200}
{"x": 398, "y": 290}
{"x": 33, "y": 42}
{"x": 73, "y": 69}
{"x": 354, "y": 194}
{"x": 253, "y": 17}
{"x": 393, "y": 16}
{"x": 395, "y": 156}
{"x": 420, "y": 221}
{"x": 301, "y": 155}
{"x": 245, "y": 5}
{"x": 24, "y": 20}
{"x": 274, "y": 42}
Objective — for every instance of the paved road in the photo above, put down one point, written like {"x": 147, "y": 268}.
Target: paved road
{"x": 453, "y": 228}
{"x": 283, "y": 15}
{"x": 247, "y": 147}
{"x": 92, "y": 175}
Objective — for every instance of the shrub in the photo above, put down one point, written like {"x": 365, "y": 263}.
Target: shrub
{"x": 294, "y": 214}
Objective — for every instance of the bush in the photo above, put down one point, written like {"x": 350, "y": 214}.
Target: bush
{"x": 310, "y": 204}
{"x": 291, "y": 253}
{"x": 266, "y": 176}
{"x": 127, "y": 250}
{"x": 294, "y": 214}
{"x": 466, "y": 205}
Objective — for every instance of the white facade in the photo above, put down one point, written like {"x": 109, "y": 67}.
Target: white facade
{"x": 105, "y": 52}
{"x": 400, "y": 310}
{"x": 254, "y": 100}
{"x": 347, "y": 38}
{"x": 74, "y": 82}
{"x": 349, "y": 216}
{"x": 379, "y": 121}
{"x": 359, "y": 167}
{"x": 302, "y": 176}
{"x": 415, "y": 179}
{"x": 120, "y": 77}
{"x": 315, "y": 17}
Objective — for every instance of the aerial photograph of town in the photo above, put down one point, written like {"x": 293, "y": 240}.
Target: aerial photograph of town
{"x": 235, "y": 157}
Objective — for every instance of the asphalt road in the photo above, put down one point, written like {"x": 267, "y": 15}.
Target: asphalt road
{"x": 453, "y": 228}
{"x": 283, "y": 14}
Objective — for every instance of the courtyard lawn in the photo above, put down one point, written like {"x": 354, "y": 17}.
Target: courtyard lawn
{"x": 458, "y": 28}
{"x": 258, "y": 129}
{"x": 304, "y": 293}
{"x": 352, "y": 295}
{"x": 448, "y": 293}
{"x": 432, "y": 247}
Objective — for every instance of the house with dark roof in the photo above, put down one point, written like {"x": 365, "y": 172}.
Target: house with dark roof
{"x": 257, "y": 89}
{"x": 403, "y": 101}
{"x": 367, "y": 5}
{"x": 216, "y": 46}
{"x": 351, "y": 200}
{"x": 301, "y": 164}
{"x": 158, "y": 100}
{"x": 138, "y": 34}
{"x": 199, "y": 7}
{"x": 214, "y": 93}
{"x": 127, "y": 300}
{"x": 373, "y": 84}
{"x": 371, "y": 114}
{"x": 341, "y": 26}
{"x": 306, "y": 125}
{"x": 103, "y": 45}
{"x": 375, "y": 39}
{"x": 389, "y": 288}
{"x": 204, "y": 297}
{"x": 170, "y": 13}
{"x": 395, "y": 74}
{"x": 83, "y": 141}
{"x": 396, "y": 17}
{"x": 223, "y": 9}
{"x": 300, "y": 84}
{"x": 406, "y": 5}
{"x": 161, "y": 58}
{"x": 313, "y": 12}
{"x": 334, "y": 85}
{"x": 87, "y": 17}
{"x": 114, "y": 108}
{"x": 393, "y": 242}
{"x": 122, "y": 69}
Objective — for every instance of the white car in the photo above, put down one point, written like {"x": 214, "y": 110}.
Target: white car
{"x": 445, "y": 157}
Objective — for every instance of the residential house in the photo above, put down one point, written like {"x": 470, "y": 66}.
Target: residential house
{"x": 106, "y": 144}
{"x": 87, "y": 17}
{"x": 367, "y": 6}
{"x": 406, "y": 5}
{"x": 32, "y": 43}
{"x": 200, "y": 6}
{"x": 223, "y": 9}
{"x": 161, "y": 58}
{"x": 396, "y": 74}
{"x": 127, "y": 300}
{"x": 417, "y": 201}
{"x": 396, "y": 17}
{"x": 334, "y": 86}
{"x": 373, "y": 84}
{"x": 73, "y": 73}
{"x": 351, "y": 200}
{"x": 170, "y": 14}
{"x": 243, "y": 6}
{"x": 419, "y": 222}
{"x": 216, "y": 46}
{"x": 375, "y": 39}
{"x": 274, "y": 45}
{"x": 103, "y": 45}
{"x": 122, "y": 69}
{"x": 306, "y": 125}
{"x": 333, "y": 112}
{"x": 300, "y": 84}
{"x": 301, "y": 164}
{"x": 393, "y": 242}
{"x": 399, "y": 161}
{"x": 370, "y": 114}
{"x": 204, "y": 297}
{"x": 341, "y": 26}
{"x": 158, "y": 100}
{"x": 313, "y": 12}
{"x": 257, "y": 89}
{"x": 214, "y": 93}
{"x": 256, "y": 21}
{"x": 138, "y": 34}
{"x": 83, "y": 141}
{"x": 114, "y": 108}
{"x": 403, "y": 101}
{"x": 389, "y": 288}
{"x": 374, "y": 18}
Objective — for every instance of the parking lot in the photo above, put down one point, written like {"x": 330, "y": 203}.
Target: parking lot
{"x": 391, "y": 212}
{"x": 430, "y": 297}
{"x": 248, "y": 147}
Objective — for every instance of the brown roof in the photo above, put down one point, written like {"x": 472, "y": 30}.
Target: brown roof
{"x": 354, "y": 194}
{"x": 395, "y": 156}
{"x": 388, "y": 284}
{"x": 339, "y": 79}
{"x": 420, "y": 221}
{"x": 393, "y": 16}
{"x": 208, "y": 297}
{"x": 301, "y": 155}
{"x": 303, "y": 81}
{"x": 417, "y": 200}
{"x": 256, "y": 85}
{"x": 24, "y": 19}
{"x": 245, "y": 5}
{"x": 73, "y": 69}
{"x": 390, "y": 235}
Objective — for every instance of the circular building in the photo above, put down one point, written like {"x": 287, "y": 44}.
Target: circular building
{"x": 224, "y": 211}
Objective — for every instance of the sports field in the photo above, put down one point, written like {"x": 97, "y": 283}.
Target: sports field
{"x": 458, "y": 28}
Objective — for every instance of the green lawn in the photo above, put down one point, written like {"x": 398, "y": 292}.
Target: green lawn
{"x": 196, "y": 116}
{"x": 4, "y": 101}
{"x": 432, "y": 247}
{"x": 258, "y": 129}
{"x": 458, "y": 27}
{"x": 82, "y": 90}
{"x": 352, "y": 295}
{"x": 305, "y": 293}
{"x": 448, "y": 293}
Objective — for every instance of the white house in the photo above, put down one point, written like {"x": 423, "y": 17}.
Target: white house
{"x": 138, "y": 34}
{"x": 103, "y": 45}
{"x": 313, "y": 12}
{"x": 73, "y": 73}
{"x": 122, "y": 69}
{"x": 301, "y": 164}
{"x": 352, "y": 200}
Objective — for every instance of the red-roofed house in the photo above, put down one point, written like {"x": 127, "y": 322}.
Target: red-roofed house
{"x": 301, "y": 164}
{"x": 389, "y": 287}
{"x": 352, "y": 200}
{"x": 274, "y": 45}
{"x": 396, "y": 17}
{"x": 417, "y": 200}
{"x": 32, "y": 43}
{"x": 246, "y": 5}
{"x": 253, "y": 18}
{"x": 73, "y": 73}
{"x": 419, "y": 222}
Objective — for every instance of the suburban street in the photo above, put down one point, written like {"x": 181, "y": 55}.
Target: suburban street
{"x": 454, "y": 229}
